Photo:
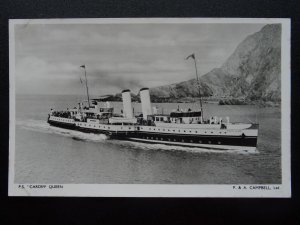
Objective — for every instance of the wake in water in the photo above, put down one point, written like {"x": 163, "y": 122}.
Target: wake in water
{"x": 43, "y": 126}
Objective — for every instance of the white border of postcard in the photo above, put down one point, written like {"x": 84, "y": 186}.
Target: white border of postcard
{"x": 159, "y": 190}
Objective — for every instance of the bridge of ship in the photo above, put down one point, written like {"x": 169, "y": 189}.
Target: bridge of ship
{"x": 185, "y": 117}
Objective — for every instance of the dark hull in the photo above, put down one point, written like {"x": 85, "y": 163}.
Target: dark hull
{"x": 114, "y": 135}
{"x": 62, "y": 125}
{"x": 214, "y": 141}
{"x": 199, "y": 139}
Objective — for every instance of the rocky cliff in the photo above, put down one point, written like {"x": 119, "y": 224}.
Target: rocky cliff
{"x": 252, "y": 72}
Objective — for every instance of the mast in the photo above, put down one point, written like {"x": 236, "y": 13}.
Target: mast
{"x": 198, "y": 82}
{"x": 87, "y": 88}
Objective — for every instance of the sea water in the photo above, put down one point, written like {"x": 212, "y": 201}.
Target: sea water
{"x": 45, "y": 154}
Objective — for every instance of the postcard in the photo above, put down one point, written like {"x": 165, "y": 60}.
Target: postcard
{"x": 156, "y": 107}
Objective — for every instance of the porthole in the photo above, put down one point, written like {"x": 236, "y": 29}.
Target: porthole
{"x": 196, "y": 132}
{"x": 161, "y": 139}
{"x": 200, "y": 142}
{"x": 209, "y": 142}
{"x": 152, "y": 138}
{"x": 174, "y": 139}
{"x": 191, "y": 141}
{"x": 219, "y": 142}
{"x": 182, "y": 140}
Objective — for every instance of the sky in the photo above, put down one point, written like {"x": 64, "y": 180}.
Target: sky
{"x": 118, "y": 56}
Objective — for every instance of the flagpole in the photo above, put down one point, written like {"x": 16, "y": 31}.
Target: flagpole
{"x": 198, "y": 82}
{"x": 87, "y": 88}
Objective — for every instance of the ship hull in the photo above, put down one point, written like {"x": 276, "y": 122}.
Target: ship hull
{"x": 196, "y": 145}
{"x": 212, "y": 141}
{"x": 62, "y": 125}
{"x": 239, "y": 141}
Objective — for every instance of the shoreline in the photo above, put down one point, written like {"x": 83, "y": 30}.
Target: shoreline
{"x": 215, "y": 101}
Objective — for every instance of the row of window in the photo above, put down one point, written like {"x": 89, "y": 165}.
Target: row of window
{"x": 178, "y": 140}
{"x": 189, "y": 118}
{"x": 206, "y": 132}
{"x": 63, "y": 120}
{"x": 160, "y": 118}
{"x": 98, "y": 126}
{"x": 90, "y": 125}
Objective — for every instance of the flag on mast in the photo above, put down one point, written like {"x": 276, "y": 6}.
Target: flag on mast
{"x": 82, "y": 66}
{"x": 191, "y": 56}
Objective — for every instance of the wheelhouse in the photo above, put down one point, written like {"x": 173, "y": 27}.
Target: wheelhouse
{"x": 161, "y": 118}
{"x": 186, "y": 117}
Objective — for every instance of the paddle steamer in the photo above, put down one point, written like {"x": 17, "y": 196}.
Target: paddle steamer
{"x": 183, "y": 127}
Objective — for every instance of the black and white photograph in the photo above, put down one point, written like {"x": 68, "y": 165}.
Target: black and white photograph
{"x": 150, "y": 107}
